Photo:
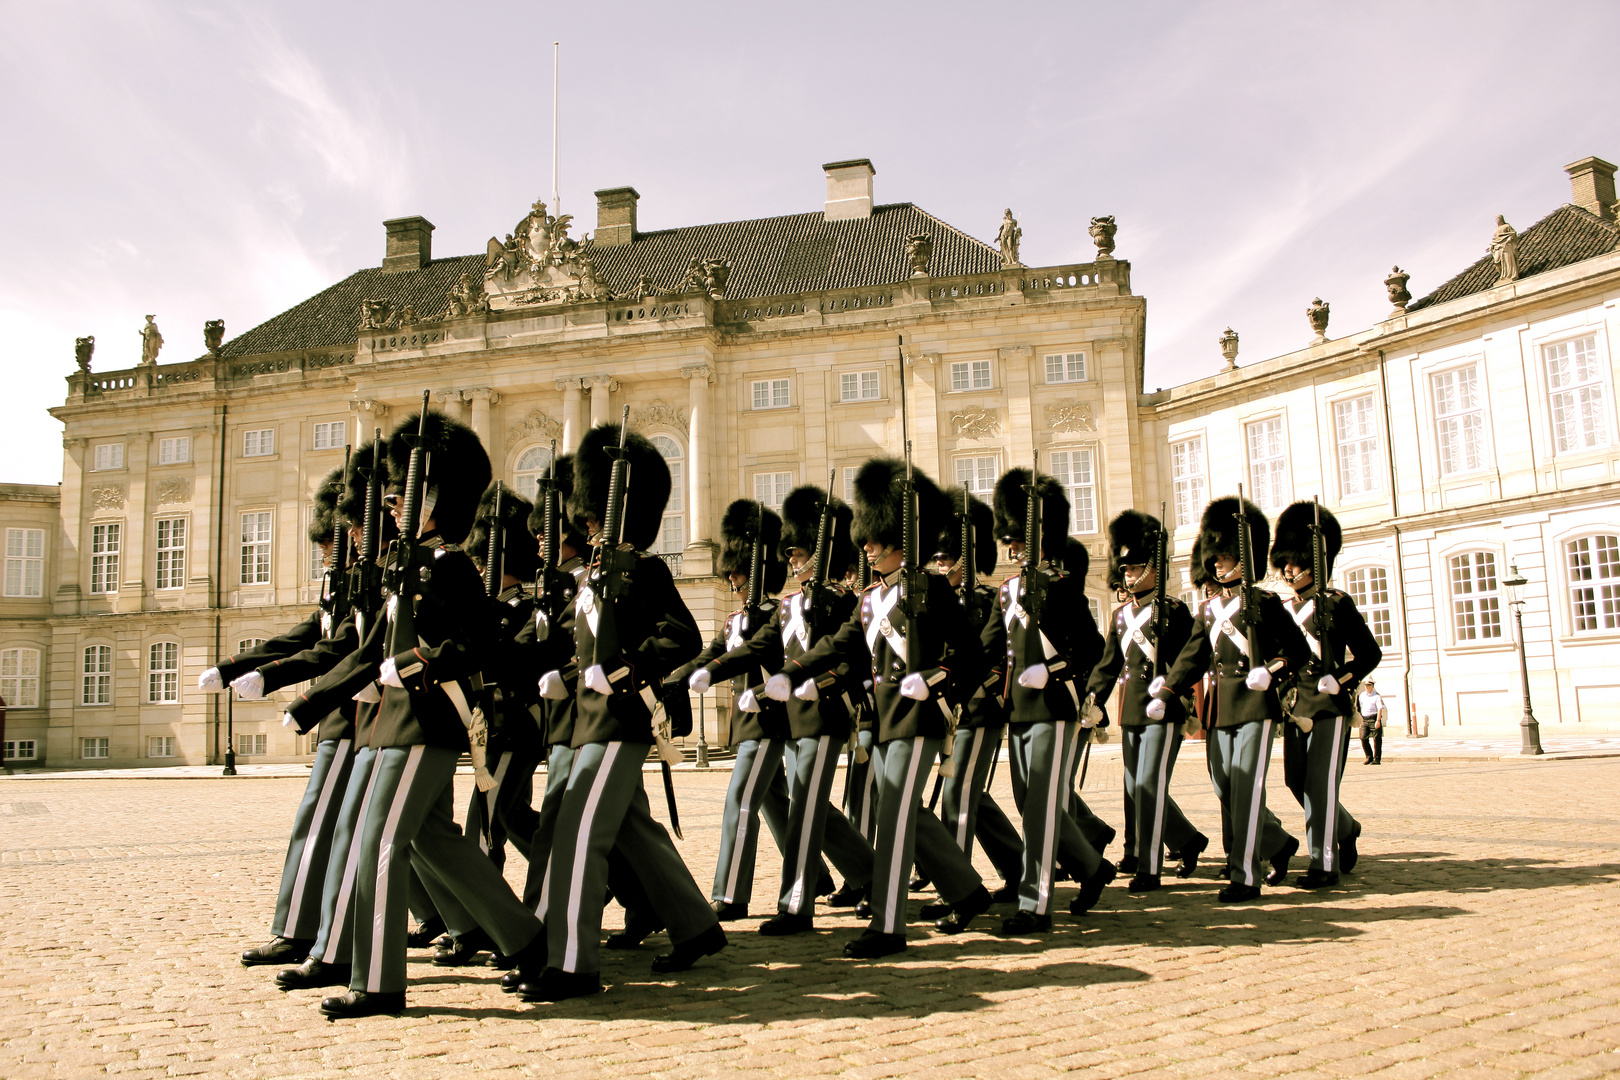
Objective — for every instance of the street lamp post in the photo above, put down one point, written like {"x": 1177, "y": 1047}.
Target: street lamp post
{"x": 703, "y": 746}
{"x": 1529, "y": 730}
{"x": 230, "y": 736}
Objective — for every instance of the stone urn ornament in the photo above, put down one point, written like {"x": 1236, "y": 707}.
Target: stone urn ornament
{"x": 920, "y": 250}
{"x": 1102, "y": 234}
{"x": 1396, "y": 284}
{"x": 1229, "y": 347}
{"x": 1317, "y": 314}
{"x": 83, "y": 349}
{"x": 214, "y": 335}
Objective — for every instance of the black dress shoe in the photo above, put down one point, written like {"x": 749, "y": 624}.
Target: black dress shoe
{"x": 919, "y": 883}
{"x": 1142, "y": 883}
{"x": 1348, "y": 855}
{"x": 311, "y": 974}
{"x": 357, "y": 1003}
{"x": 555, "y": 984}
{"x": 1279, "y": 862}
{"x": 728, "y": 912}
{"x": 936, "y": 910}
{"x": 785, "y": 923}
{"x": 1238, "y": 894}
{"x": 464, "y": 949}
{"x": 1316, "y": 879}
{"x": 280, "y": 950}
{"x": 1021, "y": 923}
{"x": 871, "y": 945}
{"x": 1128, "y": 864}
{"x": 511, "y": 981}
{"x": 1224, "y": 873}
{"x": 1188, "y": 856}
{"x": 636, "y": 929}
{"x": 688, "y": 952}
{"x": 501, "y": 962}
{"x": 847, "y": 896}
{"x": 1091, "y": 889}
{"x": 1007, "y": 894}
{"x": 863, "y": 910}
{"x": 423, "y": 935}
{"x": 964, "y": 911}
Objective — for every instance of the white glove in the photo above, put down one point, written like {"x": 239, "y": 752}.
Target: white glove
{"x": 807, "y": 691}
{"x": 778, "y": 687}
{"x": 700, "y": 681}
{"x": 914, "y": 687}
{"x": 1258, "y": 679}
{"x": 1091, "y": 715}
{"x": 1155, "y": 709}
{"x": 1155, "y": 686}
{"x": 287, "y": 720}
{"x": 1327, "y": 684}
{"x": 597, "y": 679}
{"x": 388, "y": 674}
{"x": 210, "y": 680}
{"x": 1033, "y": 677}
{"x": 249, "y": 686}
{"x": 552, "y": 687}
{"x": 747, "y": 702}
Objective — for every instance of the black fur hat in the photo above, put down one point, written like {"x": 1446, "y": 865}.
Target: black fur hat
{"x": 323, "y": 520}
{"x": 1012, "y": 504}
{"x": 520, "y": 555}
{"x": 455, "y": 470}
{"x": 984, "y": 531}
{"x": 1076, "y": 559}
{"x": 738, "y": 525}
{"x": 352, "y": 504}
{"x": 1133, "y": 539}
{"x": 1218, "y": 532}
{"x": 1293, "y": 542}
{"x": 1197, "y": 573}
{"x": 562, "y": 472}
{"x": 646, "y": 496}
{"x": 801, "y": 525}
{"x": 879, "y": 512}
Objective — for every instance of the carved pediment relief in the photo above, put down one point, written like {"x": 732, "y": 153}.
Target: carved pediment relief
{"x": 1075, "y": 416}
{"x": 537, "y": 425}
{"x": 658, "y": 414}
{"x": 176, "y": 490}
{"x": 976, "y": 424}
{"x": 107, "y": 498}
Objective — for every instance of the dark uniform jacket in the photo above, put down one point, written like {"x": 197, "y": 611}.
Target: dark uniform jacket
{"x": 1069, "y": 651}
{"x": 547, "y": 644}
{"x": 944, "y": 650}
{"x": 771, "y": 721}
{"x": 509, "y": 684}
{"x": 1124, "y": 658}
{"x": 987, "y": 705}
{"x": 656, "y": 633}
{"x": 1355, "y": 654}
{"x": 300, "y": 637}
{"x": 311, "y": 663}
{"x": 1217, "y": 631}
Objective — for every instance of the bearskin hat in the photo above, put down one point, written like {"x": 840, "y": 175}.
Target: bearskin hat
{"x": 984, "y": 531}
{"x": 324, "y": 519}
{"x": 1133, "y": 539}
{"x": 738, "y": 526}
{"x": 801, "y": 526}
{"x": 880, "y": 509}
{"x": 1218, "y": 531}
{"x": 352, "y": 503}
{"x": 645, "y": 497}
{"x": 1293, "y": 540}
{"x": 1197, "y": 573}
{"x": 561, "y": 473}
{"x": 520, "y": 555}
{"x": 455, "y": 470}
{"x": 1076, "y": 559}
{"x": 1012, "y": 504}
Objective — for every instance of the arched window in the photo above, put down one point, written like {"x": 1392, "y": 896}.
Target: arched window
{"x": 672, "y": 538}
{"x": 1594, "y": 582}
{"x": 526, "y": 473}
{"x": 1476, "y": 603}
{"x": 19, "y": 678}
{"x": 1368, "y": 586}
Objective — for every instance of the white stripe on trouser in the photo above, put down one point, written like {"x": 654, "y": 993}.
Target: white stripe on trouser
{"x": 490, "y": 798}
{"x": 868, "y": 788}
{"x": 1156, "y": 851}
{"x": 582, "y": 846}
{"x": 545, "y": 871}
{"x": 351, "y": 868}
{"x": 317, "y": 825}
{"x": 965, "y": 790}
{"x": 1256, "y": 797}
{"x": 811, "y": 800}
{"x": 899, "y": 892}
{"x": 1330, "y": 824}
{"x": 1043, "y": 883}
{"x": 385, "y": 860}
{"x": 744, "y": 802}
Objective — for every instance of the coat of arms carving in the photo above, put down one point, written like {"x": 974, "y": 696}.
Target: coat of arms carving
{"x": 1074, "y": 417}
{"x": 539, "y": 263}
{"x": 976, "y": 424}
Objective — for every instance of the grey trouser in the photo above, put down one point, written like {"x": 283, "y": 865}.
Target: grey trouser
{"x": 1326, "y": 747}
{"x": 968, "y": 811}
{"x": 1238, "y": 759}
{"x": 1150, "y": 759}
{"x": 899, "y": 766}
{"x": 506, "y": 806}
{"x": 1093, "y": 828}
{"x": 860, "y": 786}
{"x": 335, "y": 938}
{"x": 756, "y": 771}
{"x": 1045, "y": 753}
{"x": 812, "y": 765}
{"x": 408, "y": 817}
{"x": 303, "y": 873}
{"x": 558, "y": 766}
{"x": 605, "y": 805}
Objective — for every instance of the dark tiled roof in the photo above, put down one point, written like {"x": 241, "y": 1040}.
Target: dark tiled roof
{"x": 769, "y": 257}
{"x": 1567, "y": 235}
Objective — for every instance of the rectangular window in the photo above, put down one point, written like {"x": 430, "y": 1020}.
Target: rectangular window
{"x": 1268, "y": 463}
{"x": 259, "y": 443}
{"x": 1476, "y": 606}
{"x": 771, "y": 394}
{"x": 1073, "y": 469}
{"x": 1369, "y": 588}
{"x": 1459, "y": 420}
{"x": 93, "y": 748}
{"x": 978, "y": 474}
{"x": 21, "y": 750}
{"x": 1594, "y": 582}
{"x": 970, "y": 375}
{"x": 163, "y": 673}
{"x": 256, "y": 548}
{"x": 317, "y": 561}
{"x": 771, "y": 488}
{"x": 858, "y": 386}
{"x": 25, "y": 562}
{"x": 105, "y": 542}
{"x": 1187, "y": 479}
{"x": 171, "y": 553}
{"x": 1575, "y": 388}
{"x": 160, "y": 746}
{"x": 109, "y": 456}
{"x": 249, "y": 745}
{"x": 174, "y": 451}
{"x": 848, "y": 473}
{"x": 330, "y": 436}
{"x": 95, "y": 686}
{"x": 1066, "y": 367}
{"x": 19, "y": 678}
{"x": 1355, "y": 429}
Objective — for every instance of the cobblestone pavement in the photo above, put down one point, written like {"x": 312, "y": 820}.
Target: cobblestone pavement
{"x": 1478, "y": 938}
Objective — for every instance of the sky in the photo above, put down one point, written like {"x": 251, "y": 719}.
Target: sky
{"x": 227, "y": 160}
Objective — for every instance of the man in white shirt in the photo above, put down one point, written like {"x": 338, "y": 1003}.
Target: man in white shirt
{"x": 1370, "y": 705}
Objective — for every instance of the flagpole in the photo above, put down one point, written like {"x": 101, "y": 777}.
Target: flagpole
{"x": 556, "y": 199}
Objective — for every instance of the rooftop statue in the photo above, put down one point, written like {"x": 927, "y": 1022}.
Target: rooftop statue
{"x": 151, "y": 341}
{"x": 1505, "y": 251}
{"x": 1007, "y": 238}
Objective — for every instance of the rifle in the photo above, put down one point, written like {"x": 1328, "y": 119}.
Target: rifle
{"x": 335, "y": 596}
{"x": 365, "y": 576}
{"x": 970, "y": 564}
{"x": 491, "y": 695}
{"x": 756, "y": 572}
{"x": 1031, "y": 582}
{"x": 612, "y": 566}
{"x": 494, "y": 556}
{"x": 403, "y": 573}
{"x": 1324, "y": 604}
{"x": 863, "y": 572}
{"x": 1161, "y": 615}
{"x": 1248, "y": 595}
{"x": 816, "y": 597}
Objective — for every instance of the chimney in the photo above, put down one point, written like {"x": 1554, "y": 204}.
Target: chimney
{"x": 849, "y": 189}
{"x": 1591, "y": 182}
{"x": 410, "y": 244}
{"x": 615, "y": 216}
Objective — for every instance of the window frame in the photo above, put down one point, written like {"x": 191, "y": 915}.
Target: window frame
{"x": 526, "y": 481}
{"x": 1066, "y": 362}
{"x": 978, "y": 477}
{"x": 179, "y": 443}
{"x": 267, "y": 544}
{"x": 171, "y": 744}
{"x": 336, "y": 430}
{"x": 12, "y": 750}
{"x": 970, "y": 366}
{"x": 1477, "y": 364}
{"x": 1071, "y": 490}
{"x": 779, "y": 492}
{"x": 859, "y": 375}
{"x": 771, "y": 385}
{"x": 95, "y": 457}
{"x": 1604, "y": 407}
{"x": 1277, "y": 465}
{"x": 24, "y": 562}
{"x": 172, "y": 568}
{"x": 674, "y": 510}
{"x": 1197, "y": 493}
{"x": 17, "y": 654}
{"x": 257, "y": 742}
{"x": 1596, "y": 585}
{"x": 1475, "y": 598}
{"x": 1368, "y": 606}
{"x": 258, "y": 443}
{"x": 158, "y": 693}
{"x": 98, "y": 742}
{"x": 1376, "y": 486}
{"x": 103, "y": 677}
{"x": 109, "y": 536}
